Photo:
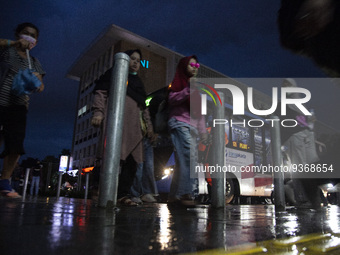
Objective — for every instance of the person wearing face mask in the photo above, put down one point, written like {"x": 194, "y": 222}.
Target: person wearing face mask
{"x": 133, "y": 131}
{"x": 185, "y": 127}
{"x": 13, "y": 108}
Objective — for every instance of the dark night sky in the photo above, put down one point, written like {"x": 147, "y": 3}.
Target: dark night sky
{"x": 237, "y": 38}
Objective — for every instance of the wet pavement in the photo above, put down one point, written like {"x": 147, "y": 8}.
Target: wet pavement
{"x": 71, "y": 226}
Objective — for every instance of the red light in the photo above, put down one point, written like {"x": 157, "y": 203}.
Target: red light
{"x": 87, "y": 169}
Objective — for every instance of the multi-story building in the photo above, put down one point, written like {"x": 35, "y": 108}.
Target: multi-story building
{"x": 157, "y": 70}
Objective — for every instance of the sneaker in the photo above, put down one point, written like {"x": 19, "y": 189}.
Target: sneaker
{"x": 6, "y": 189}
{"x": 148, "y": 198}
{"x": 137, "y": 200}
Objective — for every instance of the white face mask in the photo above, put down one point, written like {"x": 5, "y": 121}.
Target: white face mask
{"x": 30, "y": 39}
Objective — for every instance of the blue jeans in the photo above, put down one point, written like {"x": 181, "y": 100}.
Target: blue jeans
{"x": 35, "y": 182}
{"x": 144, "y": 181}
{"x": 184, "y": 140}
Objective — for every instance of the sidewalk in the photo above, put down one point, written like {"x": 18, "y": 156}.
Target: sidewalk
{"x": 69, "y": 226}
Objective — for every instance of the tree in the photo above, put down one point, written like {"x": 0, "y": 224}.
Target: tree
{"x": 65, "y": 152}
{"x": 29, "y": 162}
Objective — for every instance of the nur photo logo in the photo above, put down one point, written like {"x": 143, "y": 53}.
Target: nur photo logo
{"x": 244, "y": 101}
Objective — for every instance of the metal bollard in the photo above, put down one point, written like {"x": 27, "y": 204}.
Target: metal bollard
{"x": 59, "y": 184}
{"x": 86, "y": 186}
{"x": 114, "y": 128}
{"x": 218, "y": 179}
{"x": 80, "y": 170}
{"x": 25, "y": 183}
{"x": 48, "y": 179}
{"x": 279, "y": 192}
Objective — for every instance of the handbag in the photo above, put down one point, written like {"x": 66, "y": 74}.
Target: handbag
{"x": 143, "y": 124}
{"x": 25, "y": 82}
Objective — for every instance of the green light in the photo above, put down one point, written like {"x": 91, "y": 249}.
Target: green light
{"x": 147, "y": 101}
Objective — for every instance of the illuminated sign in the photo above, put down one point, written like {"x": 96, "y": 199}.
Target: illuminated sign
{"x": 72, "y": 173}
{"x": 239, "y": 98}
{"x": 63, "y": 164}
{"x": 144, "y": 63}
{"x": 88, "y": 169}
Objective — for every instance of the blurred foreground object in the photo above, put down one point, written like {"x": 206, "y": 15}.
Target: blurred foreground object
{"x": 312, "y": 28}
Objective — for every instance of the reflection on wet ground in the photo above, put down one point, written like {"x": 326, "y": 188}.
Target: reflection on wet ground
{"x": 69, "y": 226}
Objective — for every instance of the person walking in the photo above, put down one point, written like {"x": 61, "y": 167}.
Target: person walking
{"x": 13, "y": 108}
{"x": 299, "y": 144}
{"x": 185, "y": 127}
{"x": 135, "y": 116}
{"x": 36, "y": 174}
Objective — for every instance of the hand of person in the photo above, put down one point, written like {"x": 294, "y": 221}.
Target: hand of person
{"x": 153, "y": 139}
{"x": 312, "y": 118}
{"x": 23, "y": 44}
{"x": 96, "y": 121}
{"x": 204, "y": 138}
{"x": 42, "y": 86}
{"x": 152, "y": 136}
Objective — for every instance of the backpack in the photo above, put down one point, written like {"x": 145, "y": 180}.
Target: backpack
{"x": 161, "y": 118}
{"x": 159, "y": 112}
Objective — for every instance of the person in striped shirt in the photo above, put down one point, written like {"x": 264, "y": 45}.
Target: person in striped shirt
{"x": 13, "y": 108}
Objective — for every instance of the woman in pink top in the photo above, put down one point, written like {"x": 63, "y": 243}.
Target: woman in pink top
{"x": 185, "y": 127}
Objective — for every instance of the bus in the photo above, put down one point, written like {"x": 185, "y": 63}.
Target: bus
{"x": 247, "y": 152}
